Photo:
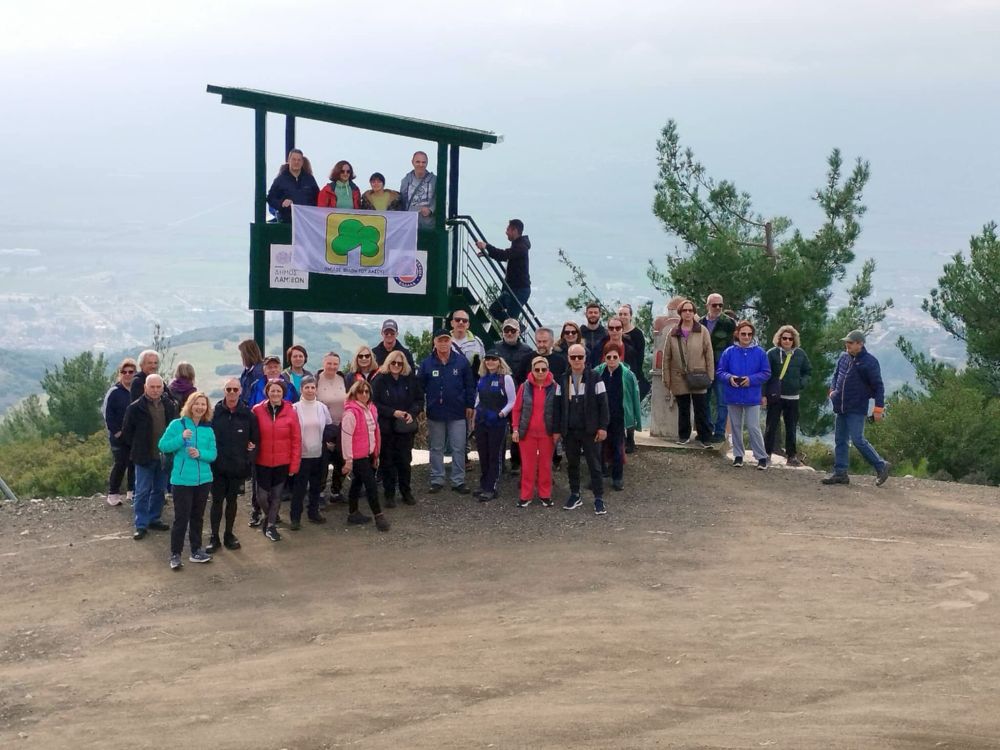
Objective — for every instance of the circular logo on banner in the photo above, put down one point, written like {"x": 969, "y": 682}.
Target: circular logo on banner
{"x": 409, "y": 281}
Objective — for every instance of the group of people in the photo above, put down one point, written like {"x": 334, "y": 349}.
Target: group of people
{"x": 296, "y": 184}
{"x": 575, "y": 396}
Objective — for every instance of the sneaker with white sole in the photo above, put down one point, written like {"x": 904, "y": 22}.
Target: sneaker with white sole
{"x": 572, "y": 502}
{"x": 738, "y": 462}
{"x": 599, "y": 508}
{"x": 114, "y": 499}
{"x": 524, "y": 503}
{"x": 201, "y": 556}
{"x": 175, "y": 562}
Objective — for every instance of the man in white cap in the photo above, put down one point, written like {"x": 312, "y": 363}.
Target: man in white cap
{"x": 856, "y": 381}
{"x": 390, "y": 343}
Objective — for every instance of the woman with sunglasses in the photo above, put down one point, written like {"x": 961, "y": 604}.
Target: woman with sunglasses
{"x": 569, "y": 335}
{"x": 341, "y": 190}
{"x": 360, "y": 440}
{"x": 495, "y": 398}
{"x": 536, "y": 420}
{"x": 397, "y": 397}
{"x": 744, "y": 368}
{"x": 363, "y": 366}
{"x": 616, "y": 336}
{"x": 624, "y": 410}
{"x": 688, "y": 351}
{"x": 790, "y": 371}
{"x": 116, "y": 401}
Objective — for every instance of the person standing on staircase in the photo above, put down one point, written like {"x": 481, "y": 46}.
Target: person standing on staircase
{"x": 464, "y": 341}
{"x": 517, "y": 279}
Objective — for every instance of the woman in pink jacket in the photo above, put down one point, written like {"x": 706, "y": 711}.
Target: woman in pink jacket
{"x": 360, "y": 441}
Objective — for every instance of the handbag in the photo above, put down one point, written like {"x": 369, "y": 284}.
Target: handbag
{"x": 401, "y": 427}
{"x": 697, "y": 380}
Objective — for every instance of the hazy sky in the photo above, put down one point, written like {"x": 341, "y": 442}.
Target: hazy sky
{"x": 107, "y": 128}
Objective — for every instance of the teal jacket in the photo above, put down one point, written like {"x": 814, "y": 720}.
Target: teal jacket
{"x": 187, "y": 471}
{"x": 630, "y": 386}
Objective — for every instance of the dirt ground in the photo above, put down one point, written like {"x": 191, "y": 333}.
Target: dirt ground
{"x": 712, "y": 608}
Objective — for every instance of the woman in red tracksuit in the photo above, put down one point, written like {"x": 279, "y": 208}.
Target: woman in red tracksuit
{"x": 535, "y": 421}
{"x": 361, "y": 442}
{"x": 279, "y": 452}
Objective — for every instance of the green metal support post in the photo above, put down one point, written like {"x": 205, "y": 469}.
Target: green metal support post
{"x": 260, "y": 201}
{"x": 288, "y": 316}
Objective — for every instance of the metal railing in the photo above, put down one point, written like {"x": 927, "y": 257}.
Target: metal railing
{"x": 482, "y": 276}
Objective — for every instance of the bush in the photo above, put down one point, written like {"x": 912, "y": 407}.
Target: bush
{"x": 60, "y": 466}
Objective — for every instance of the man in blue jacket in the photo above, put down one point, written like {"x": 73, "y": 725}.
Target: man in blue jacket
{"x": 450, "y": 391}
{"x": 856, "y": 380}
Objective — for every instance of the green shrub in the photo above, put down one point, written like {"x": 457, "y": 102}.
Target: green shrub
{"x": 60, "y": 466}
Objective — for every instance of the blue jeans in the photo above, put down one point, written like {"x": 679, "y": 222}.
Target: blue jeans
{"x": 718, "y": 397}
{"x": 509, "y": 305}
{"x": 852, "y": 427}
{"x": 454, "y": 431}
{"x": 150, "y": 487}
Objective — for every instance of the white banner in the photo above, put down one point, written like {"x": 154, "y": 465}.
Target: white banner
{"x": 354, "y": 243}
{"x": 415, "y": 283}
{"x": 283, "y": 275}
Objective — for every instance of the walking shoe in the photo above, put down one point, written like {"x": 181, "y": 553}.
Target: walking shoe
{"x": 159, "y": 526}
{"x": 390, "y": 500}
{"x": 683, "y": 441}
{"x": 316, "y": 518}
{"x": 883, "y": 474}
{"x": 618, "y": 484}
{"x": 706, "y": 446}
{"x": 719, "y": 437}
{"x": 255, "y": 518}
{"x": 214, "y": 545}
{"x": 139, "y": 534}
{"x": 357, "y": 517}
{"x": 599, "y": 507}
{"x": 630, "y": 448}
{"x": 524, "y": 503}
{"x": 277, "y": 519}
{"x": 546, "y": 502}
{"x": 485, "y": 497}
{"x": 556, "y": 462}
{"x": 408, "y": 498}
{"x": 461, "y": 489}
{"x": 836, "y": 479}
{"x": 129, "y": 495}
{"x": 738, "y": 462}
{"x": 231, "y": 542}
{"x": 381, "y": 522}
{"x": 477, "y": 494}
{"x": 337, "y": 497}
{"x": 114, "y": 499}
{"x": 762, "y": 464}
{"x": 175, "y": 562}
{"x": 436, "y": 488}
{"x": 200, "y": 557}
{"x": 793, "y": 461}
{"x": 295, "y": 525}
{"x": 572, "y": 502}
{"x": 272, "y": 533}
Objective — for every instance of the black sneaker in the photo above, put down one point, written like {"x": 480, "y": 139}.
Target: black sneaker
{"x": 272, "y": 533}
{"x": 358, "y": 518}
{"x": 390, "y": 501}
{"x": 546, "y": 502}
{"x": 883, "y": 474}
{"x": 337, "y": 497}
{"x": 600, "y": 509}
{"x": 408, "y": 498}
{"x": 295, "y": 525}
{"x": 214, "y": 545}
{"x": 485, "y": 497}
{"x": 618, "y": 484}
{"x": 200, "y": 556}
{"x": 762, "y": 465}
{"x": 255, "y": 518}
{"x": 316, "y": 518}
{"x": 738, "y": 462}
{"x": 683, "y": 441}
{"x": 159, "y": 526}
{"x": 436, "y": 488}
{"x": 556, "y": 462}
{"x": 836, "y": 479}
{"x": 139, "y": 534}
{"x": 524, "y": 503}
{"x": 793, "y": 461}
{"x": 461, "y": 489}
{"x": 572, "y": 502}
{"x": 231, "y": 542}
{"x": 175, "y": 562}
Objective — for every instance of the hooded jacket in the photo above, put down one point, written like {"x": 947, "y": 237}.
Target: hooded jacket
{"x": 525, "y": 404}
{"x": 188, "y": 471}
{"x": 516, "y": 257}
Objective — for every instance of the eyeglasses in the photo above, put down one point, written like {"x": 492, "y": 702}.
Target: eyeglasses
{"x": 569, "y": 332}
{"x": 688, "y": 309}
{"x": 127, "y": 372}
{"x": 716, "y": 304}
{"x": 459, "y": 320}
{"x": 787, "y": 338}
{"x": 612, "y": 357}
{"x": 745, "y": 333}
{"x": 540, "y": 369}
{"x": 396, "y": 363}
{"x": 232, "y": 390}
{"x": 364, "y": 356}
{"x": 616, "y": 328}
{"x": 577, "y": 356}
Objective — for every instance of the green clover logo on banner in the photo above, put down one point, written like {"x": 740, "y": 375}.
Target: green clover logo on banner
{"x": 352, "y": 234}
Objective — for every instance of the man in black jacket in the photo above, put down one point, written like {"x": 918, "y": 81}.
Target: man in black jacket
{"x": 517, "y": 280}
{"x": 145, "y": 421}
{"x": 585, "y": 419}
{"x": 390, "y": 343}
{"x": 236, "y": 436}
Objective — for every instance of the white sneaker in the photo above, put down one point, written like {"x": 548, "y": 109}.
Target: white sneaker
{"x": 115, "y": 499}
{"x": 128, "y": 495}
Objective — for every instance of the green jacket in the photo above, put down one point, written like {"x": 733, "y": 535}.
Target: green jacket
{"x": 722, "y": 335}
{"x": 630, "y": 386}
{"x": 187, "y": 471}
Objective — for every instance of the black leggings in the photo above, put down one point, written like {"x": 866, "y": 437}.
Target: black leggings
{"x": 397, "y": 455}
{"x": 121, "y": 466}
{"x": 781, "y": 409}
{"x": 189, "y": 515}
{"x": 363, "y": 474}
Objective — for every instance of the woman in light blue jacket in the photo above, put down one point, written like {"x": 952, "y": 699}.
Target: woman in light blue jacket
{"x": 744, "y": 368}
{"x": 191, "y": 440}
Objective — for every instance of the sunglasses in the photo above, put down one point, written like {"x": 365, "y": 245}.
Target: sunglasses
{"x": 510, "y": 330}
{"x": 364, "y": 356}
{"x": 688, "y": 309}
{"x": 569, "y": 332}
{"x": 787, "y": 338}
{"x": 716, "y": 304}
{"x": 540, "y": 369}
{"x": 616, "y": 328}
{"x": 127, "y": 372}
{"x": 576, "y": 356}
{"x": 232, "y": 390}
{"x": 396, "y": 363}
{"x": 459, "y": 320}
{"x": 745, "y": 333}
{"x": 612, "y": 357}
